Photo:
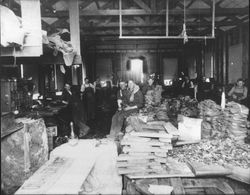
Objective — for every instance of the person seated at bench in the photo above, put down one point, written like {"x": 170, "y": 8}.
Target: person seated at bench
{"x": 150, "y": 85}
{"x": 132, "y": 101}
{"x": 239, "y": 92}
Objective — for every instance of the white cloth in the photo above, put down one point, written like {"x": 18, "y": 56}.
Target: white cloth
{"x": 63, "y": 46}
{"x": 11, "y": 28}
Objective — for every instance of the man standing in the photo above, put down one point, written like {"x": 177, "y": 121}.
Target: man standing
{"x": 122, "y": 95}
{"x": 131, "y": 101}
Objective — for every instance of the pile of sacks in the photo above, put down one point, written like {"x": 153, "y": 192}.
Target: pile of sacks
{"x": 183, "y": 105}
{"x": 232, "y": 121}
{"x": 213, "y": 120}
{"x": 236, "y": 119}
{"x": 153, "y": 97}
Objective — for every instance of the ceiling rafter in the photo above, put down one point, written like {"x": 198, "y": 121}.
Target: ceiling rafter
{"x": 173, "y": 4}
{"x": 143, "y": 5}
{"x": 108, "y": 4}
{"x": 158, "y": 24}
{"x": 85, "y": 4}
{"x": 134, "y": 12}
{"x": 190, "y": 3}
{"x": 139, "y": 19}
{"x": 153, "y": 4}
{"x": 208, "y": 2}
{"x": 217, "y": 5}
{"x": 97, "y": 4}
{"x": 47, "y": 6}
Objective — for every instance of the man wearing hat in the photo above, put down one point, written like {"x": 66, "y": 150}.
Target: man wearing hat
{"x": 130, "y": 100}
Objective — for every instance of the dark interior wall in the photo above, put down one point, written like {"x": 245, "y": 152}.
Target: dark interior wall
{"x": 119, "y": 52}
{"x": 154, "y": 63}
{"x": 228, "y": 55}
{"x": 32, "y": 70}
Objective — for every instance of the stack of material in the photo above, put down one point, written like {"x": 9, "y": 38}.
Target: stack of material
{"x": 213, "y": 119}
{"x": 157, "y": 95}
{"x": 236, "y": 119}
{"x": 153, "y": 97}
{"x": 67, "y": 172}
{"x": 183, "y": 105}
{"x": 149, "y": 98}
{"x": 144, "y": 153}
{"x": 162, "y": 115}
{"x": 215, "y": 151}
{"x": 22, "y": 153}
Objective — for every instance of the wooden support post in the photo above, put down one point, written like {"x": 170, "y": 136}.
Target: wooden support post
{"x": 199, "y": 63}
{"x": 167, "y": 16}
{"x": 225, "y": 59}
{"x": 216, "y": 54}
{"x": 213, "y": 68}
{"x": 220, "y": 55}
{"x": 31, "y": 21}
{"x": 75, "y": 36}
{"x": 120, "y": 17}
{"x": 213, "y": 19}
{"x": 203, "y": 60}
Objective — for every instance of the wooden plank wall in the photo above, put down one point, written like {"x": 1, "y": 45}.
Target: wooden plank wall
{"x": 154, "y": 51}
{"x": 219, "y": 51}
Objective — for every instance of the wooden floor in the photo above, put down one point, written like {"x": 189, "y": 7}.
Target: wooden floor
{"x": 199, "y": 186}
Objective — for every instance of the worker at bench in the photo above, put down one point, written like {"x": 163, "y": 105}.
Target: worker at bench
{"x": 130, "y": 102}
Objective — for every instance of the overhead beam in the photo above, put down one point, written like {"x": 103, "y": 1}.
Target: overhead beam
{"x": 218, "y": 3}
{"x": 85, "y": 4}
{"x": 97, "y": 4}
{"x": 153, "y": 4}
{"x": 190, "y": 3}
{"x": 134, "y": 12}
{"x": 142, "y": 5}
{"x": 108, "y": 4}
{"x": 157, "y": 24}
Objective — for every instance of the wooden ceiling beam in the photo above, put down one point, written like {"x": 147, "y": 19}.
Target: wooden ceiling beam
{"x": 208, "y": 2}
{"x": 158, "y": 24}
{"x": 109, "y": 4}
{"x": 134, "y": 12}
{"x": 97, "y": 4}
{"x": 190, "y": 3}
{"x": 143, "y": 5}
{"x": 153, "y": 4}
{"x": 217, "y": 5}
{"x": 85, "y": 4}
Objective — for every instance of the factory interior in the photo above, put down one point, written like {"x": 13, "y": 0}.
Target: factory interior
{"x": 125, "y": 97}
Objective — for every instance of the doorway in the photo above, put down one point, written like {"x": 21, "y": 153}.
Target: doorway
{"x": 136, "y": 71}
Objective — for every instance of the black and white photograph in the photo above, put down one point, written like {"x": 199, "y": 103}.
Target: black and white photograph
{"x": 125, "y": 97}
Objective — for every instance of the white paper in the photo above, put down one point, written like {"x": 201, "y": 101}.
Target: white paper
{"x": 160, "y": 189}
{"x": 190, "y": 129}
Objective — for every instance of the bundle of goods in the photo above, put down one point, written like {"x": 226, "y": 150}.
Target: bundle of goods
{"x": 157, "y": 95}
{"x": 236, "y": 119}
{"x": 162, "y": 115}
{"x": 144, "y": 153}
{"x": 216, "y": 151}
{"x": 247, "y": 138}
{"x": 149, "y": 98}
{"x": 159, "y": 113}
{"x": 153, "y": 97}
{"x": 183, "y": 105}
{"x": 213, "y": 119}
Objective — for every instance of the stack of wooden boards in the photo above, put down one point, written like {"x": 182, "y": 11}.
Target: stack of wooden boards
{"x": 67, "y": 172}
{"x": 145, "y": 151}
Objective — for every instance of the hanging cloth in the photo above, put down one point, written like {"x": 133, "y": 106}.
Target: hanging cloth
{"x": 11, "y": 28}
